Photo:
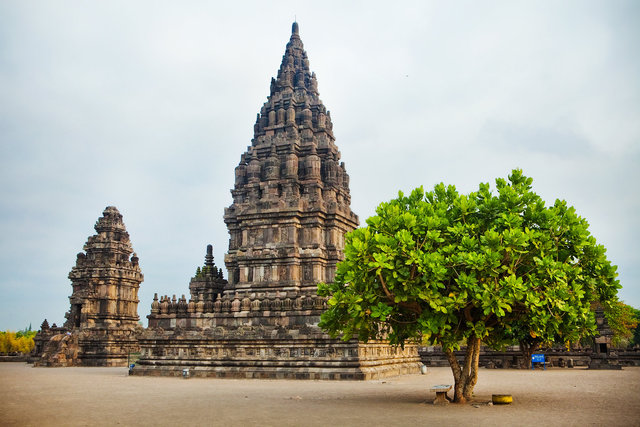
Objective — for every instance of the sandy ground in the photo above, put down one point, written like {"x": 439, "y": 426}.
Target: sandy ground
{"x": 108, "y": 396}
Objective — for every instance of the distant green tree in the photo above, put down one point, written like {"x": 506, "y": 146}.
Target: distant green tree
{"x": 636, "y": 332}
{"x": 623, "y": 321}
{"x": 445, "y": 268}
{"x": 634, "y": 326}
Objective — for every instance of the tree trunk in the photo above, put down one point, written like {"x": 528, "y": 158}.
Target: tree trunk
{"x": 472, "y": 379}
{"x": 465, "y": 376}
{"x": 527, "y": 350}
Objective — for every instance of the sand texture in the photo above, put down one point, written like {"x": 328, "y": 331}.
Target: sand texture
{"x": 108, "y": 396}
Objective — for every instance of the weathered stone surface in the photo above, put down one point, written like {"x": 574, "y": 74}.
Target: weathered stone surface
{"x": 248, "y": 352}
{"x": 209, "y": 282}
{"x": 103, "y": 318}
{"x": 291, "y": 199}
{"x": 59, "y": 350}
{"x": 290, "y": 212}
{"x": 603, "y": 357}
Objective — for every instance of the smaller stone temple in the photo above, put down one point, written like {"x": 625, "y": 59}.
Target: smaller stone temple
{"x": 102, "y": 322}
{"x": 603, "y": 357}
{"x": 209, "y": 282}
{"x": 205, "y": 287}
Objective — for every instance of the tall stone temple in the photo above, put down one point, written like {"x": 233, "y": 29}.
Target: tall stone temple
{"x": 290, "y": 212}
{"x": 102, "y": 324}
{"x": 291, "y": 197}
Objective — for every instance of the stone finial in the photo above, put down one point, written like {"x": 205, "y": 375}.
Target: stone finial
{"x": 155, "y": 305}
{"x": 295, "y": 29}
{"x": 209, "y": 305}
{"x": 272, "y": 167}
{"x": 182, "y": 305}
{"x": 111, "y": 220}
{"x": 235, "y": 304}
{"x": 164, "y": 305}
{"x": 208, "y": 259}
{"x": 314, "y": 83}
{"x": 200, "y": 304}
{"x": 241, "y": 174}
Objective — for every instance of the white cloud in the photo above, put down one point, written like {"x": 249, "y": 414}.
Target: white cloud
{"x": 148, "y": 106}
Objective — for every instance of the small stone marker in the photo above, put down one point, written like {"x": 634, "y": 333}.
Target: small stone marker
{"x": 441, "y": 394}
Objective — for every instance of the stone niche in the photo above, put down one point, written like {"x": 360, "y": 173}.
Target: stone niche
{"x": 290, "y": 212}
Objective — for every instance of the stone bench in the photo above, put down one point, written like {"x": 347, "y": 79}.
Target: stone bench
{"x": 441, "y": 394}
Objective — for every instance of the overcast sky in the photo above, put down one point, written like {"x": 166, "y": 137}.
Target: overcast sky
{"x": 148, "y": 106}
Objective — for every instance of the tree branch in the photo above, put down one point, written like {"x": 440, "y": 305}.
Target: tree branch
{"x": 467, "y": 313}
{"x": 389, "y": 295}
{"x": 413, "y": 306}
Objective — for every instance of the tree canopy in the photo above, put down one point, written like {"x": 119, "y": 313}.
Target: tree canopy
{"x": 623, "y": 321}
{"x": 447, "y": 269}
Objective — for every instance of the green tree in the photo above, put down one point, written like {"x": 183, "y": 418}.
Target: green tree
{"x": 635, "y": 340}
{"x": 622, "y": 320}
{"x": 450, "y": 269}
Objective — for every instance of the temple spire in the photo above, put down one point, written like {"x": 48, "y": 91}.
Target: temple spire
{"x": 289, "y": 172}
{"x": 294, "y": 100}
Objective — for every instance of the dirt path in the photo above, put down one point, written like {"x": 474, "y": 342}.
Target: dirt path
{"x": 108, "y": 396}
